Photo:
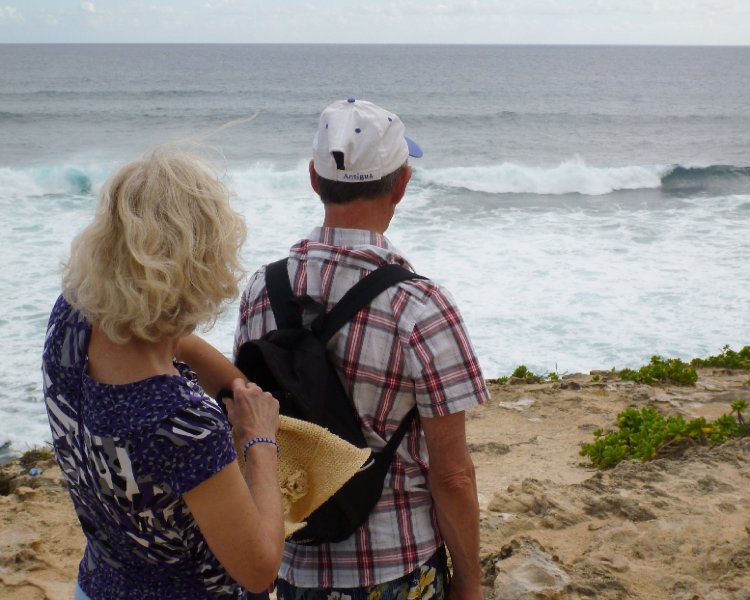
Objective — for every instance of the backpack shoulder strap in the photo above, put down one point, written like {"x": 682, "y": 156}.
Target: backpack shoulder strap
{"x": 360, "y": 295}
{"x": 281, "y": 295}
{"x": 399, "y": 434}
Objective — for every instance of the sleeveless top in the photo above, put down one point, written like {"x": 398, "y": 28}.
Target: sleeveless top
{"x": 128, "y": 453}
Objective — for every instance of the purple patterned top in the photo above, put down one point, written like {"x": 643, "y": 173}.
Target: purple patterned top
{"x": 128, "y": 454}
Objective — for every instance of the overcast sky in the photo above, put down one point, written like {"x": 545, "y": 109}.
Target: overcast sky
{"x": 682, "y": 22}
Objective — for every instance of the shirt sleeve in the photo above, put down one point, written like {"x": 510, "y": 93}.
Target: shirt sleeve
{"x": 253, "y": 306}
{"x": 189, "y": 446}
{"x": 446, "y": 372}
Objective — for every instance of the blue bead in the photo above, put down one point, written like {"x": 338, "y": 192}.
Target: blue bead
{"x": 350, "y": 100}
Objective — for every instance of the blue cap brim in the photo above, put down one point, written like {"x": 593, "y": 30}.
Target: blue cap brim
{"x": 414, "y": 149}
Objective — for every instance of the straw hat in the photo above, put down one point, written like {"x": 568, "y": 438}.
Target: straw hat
{"x": 313, "y": 465}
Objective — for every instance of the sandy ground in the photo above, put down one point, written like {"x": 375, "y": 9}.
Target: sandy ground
{"x": 552, "y": 526}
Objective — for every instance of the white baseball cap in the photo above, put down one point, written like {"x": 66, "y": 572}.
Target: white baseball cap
{"x": 370, "y": 140}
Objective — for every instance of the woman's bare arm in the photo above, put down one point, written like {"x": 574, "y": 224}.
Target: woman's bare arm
{"x": 215, "y": 371}
{"x": 239, "y": 510}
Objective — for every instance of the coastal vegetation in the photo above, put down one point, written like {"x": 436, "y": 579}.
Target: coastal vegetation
{"x": 35, "y": 455}
{"x": 523, "y": 375}
{"x": 661, "y": 370}
{"x": 647, "y": 434}
{"x": 728, "y": 359}
{"x": 677, "y": 372}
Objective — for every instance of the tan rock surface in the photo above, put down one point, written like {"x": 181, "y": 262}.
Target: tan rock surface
{"x": 552, "y": 526}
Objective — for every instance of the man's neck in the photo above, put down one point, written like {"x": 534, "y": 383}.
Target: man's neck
{"x": 370, "y": 215}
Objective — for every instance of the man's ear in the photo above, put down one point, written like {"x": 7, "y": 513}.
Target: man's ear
{"x": 313, "y": 177}
{"x": 399, "y": 189}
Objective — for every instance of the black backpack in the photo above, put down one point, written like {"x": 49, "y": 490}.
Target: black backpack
{"x": 292, "y": 363}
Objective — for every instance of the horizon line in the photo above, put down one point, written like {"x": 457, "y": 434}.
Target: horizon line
{"x": 508, "y": 44}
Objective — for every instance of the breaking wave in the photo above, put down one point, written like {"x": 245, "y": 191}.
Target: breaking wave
{"x": 569, "y": 177}
{"x": 576, "y": 177}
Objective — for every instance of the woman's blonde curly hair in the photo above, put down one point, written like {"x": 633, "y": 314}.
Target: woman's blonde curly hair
{"x": 161, "y": 255}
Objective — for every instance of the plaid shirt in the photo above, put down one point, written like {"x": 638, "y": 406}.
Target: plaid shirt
{"x": 409, "y": 346}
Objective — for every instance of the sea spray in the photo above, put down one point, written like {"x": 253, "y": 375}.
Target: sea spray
{"x": 572, "y": 176}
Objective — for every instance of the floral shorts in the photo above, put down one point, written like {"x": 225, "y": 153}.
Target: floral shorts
{"x": 431, "y": 580}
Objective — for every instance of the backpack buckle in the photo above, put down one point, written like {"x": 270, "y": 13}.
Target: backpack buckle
{"x": 313, "y": 310}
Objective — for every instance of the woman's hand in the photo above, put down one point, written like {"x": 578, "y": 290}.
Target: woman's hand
{"x": 239, "y": 510}
{"x": 253, "y": 412}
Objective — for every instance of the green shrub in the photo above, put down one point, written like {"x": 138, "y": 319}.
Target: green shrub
{"x": 728, "y": 359}
{"x": 645, "y": 434}
{"x": 671, "y": 370}
{"x": 31, "y": 457}
{"x": 522, "y": 372}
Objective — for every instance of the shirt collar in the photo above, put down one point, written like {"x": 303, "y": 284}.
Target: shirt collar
{"x": 350, "y": 238}
{"x": 369, "y": 248}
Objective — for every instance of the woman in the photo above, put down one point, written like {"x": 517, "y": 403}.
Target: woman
{"x": 146, "y": 453}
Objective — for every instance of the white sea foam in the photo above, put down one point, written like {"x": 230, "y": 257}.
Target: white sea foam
{"x": 561, "y": 286}
{"x": 15, "y": 184}
{"x": 25, "y": 183}
{"x": 568, "y": 177}
{"x": 578, "y": 290}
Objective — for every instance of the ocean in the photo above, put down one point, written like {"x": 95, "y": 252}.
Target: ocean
{"x": 588, "y": 207}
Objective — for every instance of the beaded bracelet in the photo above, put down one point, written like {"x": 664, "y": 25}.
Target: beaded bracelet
{"x": 246, "y": 447}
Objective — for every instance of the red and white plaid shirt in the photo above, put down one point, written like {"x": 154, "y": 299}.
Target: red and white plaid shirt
{"x": 409, "y": 346}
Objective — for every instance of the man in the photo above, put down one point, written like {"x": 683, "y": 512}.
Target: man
{"x": 409, "y": 346}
